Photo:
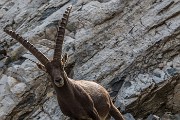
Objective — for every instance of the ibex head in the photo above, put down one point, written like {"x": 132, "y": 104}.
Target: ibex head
{"x": 55, "y": 67}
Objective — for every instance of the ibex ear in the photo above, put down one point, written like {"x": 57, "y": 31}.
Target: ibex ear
{"x": 40, "y": 66}
{"x": 64, "y": 59}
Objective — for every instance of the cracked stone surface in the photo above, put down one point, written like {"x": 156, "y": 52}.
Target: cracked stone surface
{"x": 131, "y": 47}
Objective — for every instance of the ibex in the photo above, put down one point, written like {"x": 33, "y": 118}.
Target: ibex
{"x": 78, "y": 99}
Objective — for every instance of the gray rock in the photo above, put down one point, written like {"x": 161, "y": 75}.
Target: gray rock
{"x": 171, "y": 71}
{"x": 11, "y": 81}
{"x": 7, "y": 105}
{"x": 158, "y": 75}
{"x": 18, "y": 89}
{"x": 26, "y": 72}
{"x": 52, "y": 109}
{"x": 128, "y": 116}
{"x": 1, "y": 64}
{"x": 153, "y": 117}
{"x": 4, "y": 88}
{"x": 177, "y": 116}
{"x": 176, "y": 63}
{"x": 42, "y": 116}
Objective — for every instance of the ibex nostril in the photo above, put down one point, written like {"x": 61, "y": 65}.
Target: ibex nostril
{"x": 56, "y": 80}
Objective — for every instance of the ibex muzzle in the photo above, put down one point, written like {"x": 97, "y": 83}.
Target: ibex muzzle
{"x": 78, "y": 99}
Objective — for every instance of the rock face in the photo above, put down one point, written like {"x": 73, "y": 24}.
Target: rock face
{"x": 132, "y": 48}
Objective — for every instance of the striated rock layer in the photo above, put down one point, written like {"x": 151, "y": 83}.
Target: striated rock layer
{"x": 131, "y": 47}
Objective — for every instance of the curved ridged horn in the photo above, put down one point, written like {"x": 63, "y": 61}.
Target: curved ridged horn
{"x": 28, "y": 46}
{"x": 60, "y": 34}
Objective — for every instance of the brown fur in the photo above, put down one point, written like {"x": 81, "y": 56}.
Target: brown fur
{"x": 78, "y": 99}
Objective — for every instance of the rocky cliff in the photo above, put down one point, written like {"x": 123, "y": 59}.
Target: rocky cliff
{"x": 131, "y": 47}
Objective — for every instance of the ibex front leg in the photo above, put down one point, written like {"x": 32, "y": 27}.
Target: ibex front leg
{"x": 93, "y": 114}
{"x": 87, "y": 103}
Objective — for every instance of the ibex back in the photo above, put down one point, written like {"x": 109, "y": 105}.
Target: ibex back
{"x": 78, "y": 99}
